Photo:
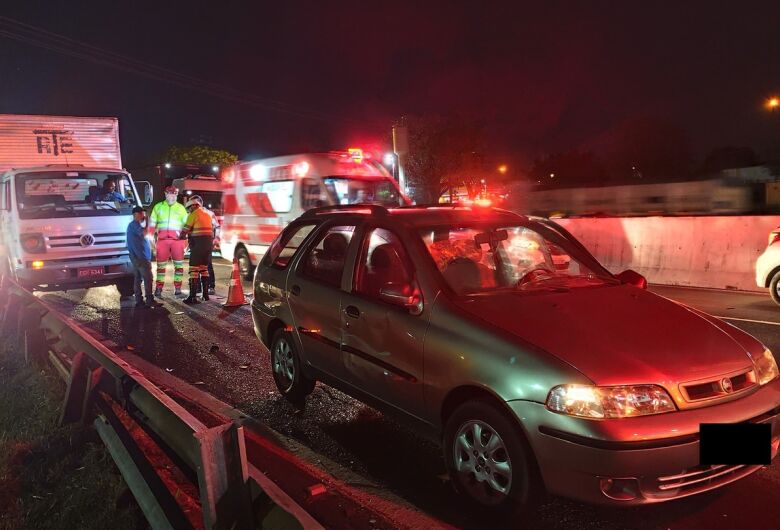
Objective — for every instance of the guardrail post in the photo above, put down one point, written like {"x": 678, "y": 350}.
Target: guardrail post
{"x": 33, "y": 337}
{"x": 11, "y": 312}
{"x": 223, "y": 478}
{"x": 76, "y": 394}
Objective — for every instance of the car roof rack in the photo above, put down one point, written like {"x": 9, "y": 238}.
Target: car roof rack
{"x": 373, "y": 209}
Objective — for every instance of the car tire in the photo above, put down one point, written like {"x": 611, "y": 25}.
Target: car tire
{"x": 774, "y": 288}
{"x": 503, "y": 461}
{"x": 245, "y": 264}
{"x": 292, "y": 383}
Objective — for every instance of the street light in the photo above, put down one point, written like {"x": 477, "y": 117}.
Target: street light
{"x": 502, "y": 168}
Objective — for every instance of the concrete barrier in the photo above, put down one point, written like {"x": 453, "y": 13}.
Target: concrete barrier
{"x": 718, "y": 252}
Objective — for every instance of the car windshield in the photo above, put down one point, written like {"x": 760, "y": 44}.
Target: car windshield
{"x": 523, "y": 258}
{"x": 73, "y": 194}
{"x": 353, "y": 190}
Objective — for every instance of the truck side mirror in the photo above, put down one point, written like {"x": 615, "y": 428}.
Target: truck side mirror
{"x": 146, "y": 191}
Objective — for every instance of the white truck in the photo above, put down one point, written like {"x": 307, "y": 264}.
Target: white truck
{"x": 61, "y": 224}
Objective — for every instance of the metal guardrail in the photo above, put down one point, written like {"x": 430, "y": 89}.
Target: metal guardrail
{"x": 108, "y": 392}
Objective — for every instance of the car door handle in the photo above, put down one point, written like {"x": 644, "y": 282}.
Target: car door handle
{"x": 352, "y": 311}
{"x": 295, "y": 290}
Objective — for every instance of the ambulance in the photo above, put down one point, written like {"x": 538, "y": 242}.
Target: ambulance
{"x": 262, "y": 196}
{"x": 59, "y": 226}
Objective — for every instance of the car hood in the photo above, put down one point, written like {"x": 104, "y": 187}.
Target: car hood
{"x": 616, "y": 334}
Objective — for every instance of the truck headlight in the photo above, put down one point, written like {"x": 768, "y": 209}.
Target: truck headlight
{"x": 766, "y": 367}
{"x": 32, "y": 242}
{"x": 609, "y": 401}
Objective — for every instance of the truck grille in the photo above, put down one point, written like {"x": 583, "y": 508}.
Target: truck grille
{"x": 719, "y": 386}
{"x": 71, "y": 241}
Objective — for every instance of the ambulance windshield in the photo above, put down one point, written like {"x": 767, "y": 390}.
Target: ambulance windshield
{"x": 352, "y": 190}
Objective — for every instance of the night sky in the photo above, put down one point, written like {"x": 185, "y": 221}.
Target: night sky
{"x": 543, "y": 76}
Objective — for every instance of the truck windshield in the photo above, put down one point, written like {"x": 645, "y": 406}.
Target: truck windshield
{"x": 353, "y": 190}
{"x": 73, "y": 194}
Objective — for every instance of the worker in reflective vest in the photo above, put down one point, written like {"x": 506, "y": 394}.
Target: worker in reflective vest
{"x": 167, "y": 221}
{"x": 201, "y": 231}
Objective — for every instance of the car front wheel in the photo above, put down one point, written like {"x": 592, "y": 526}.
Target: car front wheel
{"x": 489, "y": 460}
{"x": 774, "y": 288}
{"x": 286, "y": 366}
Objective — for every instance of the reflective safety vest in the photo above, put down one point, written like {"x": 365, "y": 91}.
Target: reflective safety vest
{"x": 167, "y": 220}
{"x": 199, "y": 224}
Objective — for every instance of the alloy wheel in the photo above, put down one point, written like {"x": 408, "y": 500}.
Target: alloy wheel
{"x": 482, "y": 461}
{"x": 284, "y": 367}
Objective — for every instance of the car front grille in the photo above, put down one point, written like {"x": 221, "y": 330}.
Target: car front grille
{"x": 702, "y": 476}
{"x": 718, "y": 387}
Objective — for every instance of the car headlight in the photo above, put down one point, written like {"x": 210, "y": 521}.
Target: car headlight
{"x": 766, "y": 367}
{"x": 609, "y": 401}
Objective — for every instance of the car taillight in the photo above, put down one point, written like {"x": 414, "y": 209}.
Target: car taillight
{"x": 773, "y": 237}
{"x": 32, "y": 243}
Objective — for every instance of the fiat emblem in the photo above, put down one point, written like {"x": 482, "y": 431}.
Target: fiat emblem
{"x": 725, "y": 384}
{"x": 87, "y": 240}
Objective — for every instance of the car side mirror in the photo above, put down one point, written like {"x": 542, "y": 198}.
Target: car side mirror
{"x": 403, "y": 295}
{"x": 633, "y": 278}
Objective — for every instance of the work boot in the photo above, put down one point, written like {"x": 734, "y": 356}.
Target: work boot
{"x": 204, "y": 283}
{"x": 177, "y": 292}
{"x": 158, "y": 292}
{"x": 193, "y": 297}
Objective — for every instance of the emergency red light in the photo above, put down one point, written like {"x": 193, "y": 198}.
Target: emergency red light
{"x": 301, "y": 169}
{"x": 355, "y": 154}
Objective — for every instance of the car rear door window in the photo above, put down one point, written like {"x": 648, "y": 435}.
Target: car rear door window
{"x": 326, "y": 259}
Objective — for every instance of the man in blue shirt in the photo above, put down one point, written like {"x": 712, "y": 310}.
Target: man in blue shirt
{"x": 141, "y": 258}
{"x": 109, "y": 193}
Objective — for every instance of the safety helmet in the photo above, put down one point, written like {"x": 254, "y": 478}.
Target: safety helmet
{"x": 192, "y": 201}
{"x": 171, "y": 189}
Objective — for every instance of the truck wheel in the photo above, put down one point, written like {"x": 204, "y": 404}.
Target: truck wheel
{"x": 774, "y": 288}
{"x": 126, "y": 288}
{"x": 490, "y": 462}
{"x": 286, "y": 368}
{"x": 245, "y": 264}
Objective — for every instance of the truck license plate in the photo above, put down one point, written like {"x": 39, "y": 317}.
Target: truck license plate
{"x": 90, "y": 271}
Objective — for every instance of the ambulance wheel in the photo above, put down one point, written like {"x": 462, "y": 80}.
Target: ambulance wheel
{"x": 245, "y": 264}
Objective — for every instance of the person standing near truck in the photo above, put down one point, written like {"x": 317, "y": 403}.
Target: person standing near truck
{"x": 201, "y": 231}
{"x": 141, "y": 257}
{"x": 167, "y": 221}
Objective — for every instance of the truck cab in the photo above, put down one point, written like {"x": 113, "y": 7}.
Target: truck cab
{"x": 63, "y": 229}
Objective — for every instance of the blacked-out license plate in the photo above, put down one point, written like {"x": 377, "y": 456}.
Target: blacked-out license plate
{"x": 735, "y": 444}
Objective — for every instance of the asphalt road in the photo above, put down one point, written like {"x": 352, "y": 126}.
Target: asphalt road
{"x": 216, "y": 349}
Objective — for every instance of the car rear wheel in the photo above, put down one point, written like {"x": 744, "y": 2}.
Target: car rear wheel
{"x": 244, "y": 263}
{"x": 286, "y": 367}
{"x": 774, "y": 288}
{"x": 489, "y": 460}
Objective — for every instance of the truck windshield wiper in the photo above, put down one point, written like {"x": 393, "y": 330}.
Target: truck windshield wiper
{"x": 106, "y": 204}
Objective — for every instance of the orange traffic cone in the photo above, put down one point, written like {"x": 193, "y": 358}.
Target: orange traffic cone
{"x": 236, "y": 290}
